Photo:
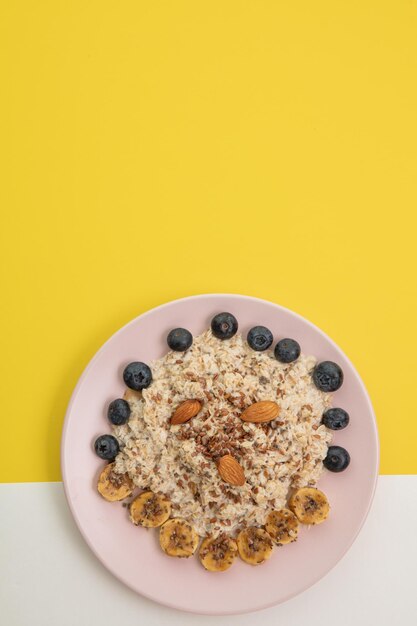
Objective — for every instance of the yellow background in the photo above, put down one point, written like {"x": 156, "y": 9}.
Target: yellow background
{"x": 153, "y": 150}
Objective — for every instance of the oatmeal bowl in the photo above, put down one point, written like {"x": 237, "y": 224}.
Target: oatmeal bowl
{"x": 219, "y": 454}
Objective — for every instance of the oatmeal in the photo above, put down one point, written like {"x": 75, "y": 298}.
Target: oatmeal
{"x": 180, "y": 461}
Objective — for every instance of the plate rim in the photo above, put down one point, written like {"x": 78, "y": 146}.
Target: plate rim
{"x": 79, "y": 384}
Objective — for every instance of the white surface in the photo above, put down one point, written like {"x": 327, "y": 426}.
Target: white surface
{"x": 49, "y": 577}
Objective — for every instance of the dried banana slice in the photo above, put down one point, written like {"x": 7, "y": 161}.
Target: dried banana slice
{"x": 178, "y": 538}
{"x": 282, "y": 526}
{"x": 112, "y": 486}
{"x": 255, "y": 545}
{"x": 150, "y": 510}
{"x": 310, "y": 505}
{"x": 218, "y": 554}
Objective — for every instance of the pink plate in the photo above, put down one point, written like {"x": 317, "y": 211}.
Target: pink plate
{"x": 132, "y": 554}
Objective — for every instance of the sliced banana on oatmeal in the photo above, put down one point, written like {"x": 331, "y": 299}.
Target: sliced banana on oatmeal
{"x": 218, "y": 554}
{"x": 310, "y": 505}
{"x": 178, "y": 538}
{"x": 282, "y": 526}
{"x": 255, "y": 545}
{"x": 114, "y": 487}
{"x": 149, "y": 509}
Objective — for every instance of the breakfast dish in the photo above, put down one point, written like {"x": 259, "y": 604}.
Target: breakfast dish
{"x": 224, "y": 439}
{"x": 132, "y": 553}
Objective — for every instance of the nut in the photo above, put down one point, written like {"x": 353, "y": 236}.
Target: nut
{"x": 186, "y": 411}
{"x": 231, "y": 471}
{"x": 259, "y": 412}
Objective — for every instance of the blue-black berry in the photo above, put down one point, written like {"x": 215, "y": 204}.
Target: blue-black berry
{"x": 106, "y": 447}
{"x": 337, "y": 459}
{"x": 287, "y": 350}
{"x": 327, "y": 376}
{"x": 335, "y": 419}
{"x": 224, "y": 325}
{"x": 260, "y": 338}
{"x": 180, "y": 339}
{"x": 137, "y": 375}
{"x": 118, "y": 412}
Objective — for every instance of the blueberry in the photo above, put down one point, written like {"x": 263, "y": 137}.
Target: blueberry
{"x": 180, "y": 339}
{"x": 137, "y": 376}
{"x": 224, "y": 325}
{"x": 327, "y": 376}
{"x": 337, "y": 459}
{"x": 335, "y": 419}
{"x": 106, "y": 447}
{"x": 118, "y": 412}
{"x": 260, "y": 338}
{"x": 287, "y": 350}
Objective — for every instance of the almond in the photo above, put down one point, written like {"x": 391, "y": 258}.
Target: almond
{"x": 259, "y": 412}
{"x": 231, "y": 471}
{"x": 186, "y": 411}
